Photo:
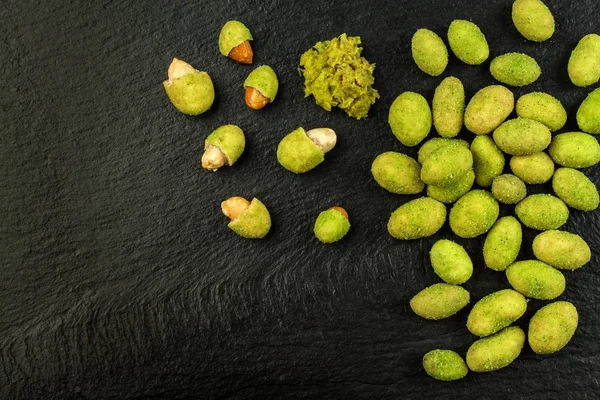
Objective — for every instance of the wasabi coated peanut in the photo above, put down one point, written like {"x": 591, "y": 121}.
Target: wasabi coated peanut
{"x": 552, "y": 327}
{"x": 446, "y": 165}
{"x": 543, "y": 108}
{"x": 429, "y": 52}
{"x": 515, "y": 69}
{"x": 575, "y": 150}
{"x": 467, "y": 42}
{"x": 439, "y": 301}
{"x": 496, "y": 311}
{"x": 536, "y": 279}
{"x": 497, "y": 351}
{"x": 410, "y": 118}
{"x": 488, "y": 108}
{"x": 488, "y": 160}
{"x": 248, "y": 219}
{"x": 588, "y": 114}
{"x": 508, "y": 189}
{"x": 451, "y": 193}
{"x": 534, "y": 168}
{"x": 543, "y": 212}
{"x": 562, "y": 250}
{"x": 261, "y": 87}
{"x": 502, "y": 244}
{"x": 449, "y": 107}
{"x": 190, "y": 90}
{"x": 584, "y": 63}
{"x": 332, "y": 225}
{"x": 301, "y": 151}
{"x": 451, "y": 262}
{"x": 417, "y": 219}
{"x": 433, "y": 145}
{"x": 223, "y": 146}
{"x": 397, "y": 173}
{"x": 474, "y": 214}
{"x": 533, "y": 20}
{"x": 234, "y": 42}
{"x": 575, "y": 189}
{"x": 522, "y": 136}
{"x": 444, "y": 365}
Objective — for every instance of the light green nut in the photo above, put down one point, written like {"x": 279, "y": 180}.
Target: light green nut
{"x": 534, "y": 168}
{"x": 588, "y": 114}
{"x": 497, "y": 351}
{"x": 536, "y": 280}
{"x": 509, "y": 189}
{"x": 191, "y": 91}
{"x": 429, "y": 52}
{"x": 433, "y": 145}
{"x": 489, "y": 108}
{"x": 575, "y": 189}
{"x": 502, "y": 244}
{"x": 533, "y": 20}
{"x": 451, "y": 262}
{"x": 451, "y": 193}
{"x": 439, "y": 301}
{"x": 331, "y": 225}
{"x": 254, "y": 222}
{"x": 575, "y": 150}
{"x": 522, "y": 136}
{"x": 444, "y": 365}
{"x": 543, "y": 212}
{"x": 264, "y": 80}
{"x": 488, "y": 160}
{"x": 417, "y": 219}
{"x": 232, "y": 34}
{"x": 562, "y": 250}
{"x": 515, "y": 69}
{"x": 543, "y": 108}
{"x": 584, "y": 63}
{"x": 397, "y": 173}
{"x": 474, "y": 214}
{"x": 552, "y": 327}
{"x": 410, "y": 118}
{"x": 467, "y": 42}
{"x": 449, "y": 107}
{"x": 301, "y": 151}
{"x": 229, "y": 140}
{"x": 446, "y": 165}
{"x": 495, "y": 312}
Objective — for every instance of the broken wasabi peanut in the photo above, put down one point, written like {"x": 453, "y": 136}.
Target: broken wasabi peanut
{"x": 234, "y": 42}
{"x": 261, "y": 87}
{"x": 332, "y": 225}
{"x": 534, "y": 168}
{"x": 439, "y": 301}
{"x": 515, "y": 69}
{"x": 584, "y": 63}
{"x": 397, "y": 173}
{"x": 301, "y": 151}
{"x": 543, "y": 212}
{"x": 522, "y": 136}
{"x": 223, "y": 147}
{"x": 509, "y": 189}
{"x": 429, "y": 52}
{"x": 543, "y": 108}
{"x": 502, "y": 244}
{"x": 536, "y": 280}
{"x": 495, "y": 312}
{"x": 497, "y": 351}
{"x": 417, "y": 219}
{"x": 488, "y": 108}
{"x": 488, "y": 160}
{"x": 451, "y": 193}
{"x": 449, "y": 107}
{"x": 467, "y": 42}
{"x": 575, "y": 150}
{"x": 190, "y": 90}
{"x": 451, "y": 262}
{"x": 250, "y": 220}
{"x": 433, "y": 145}
{"x": 474, "y": 214}
{"x": 575, "y": 189}
{"x": 562, "y": 250}
{"x": 533, "y": 20}
{"x": 552, "y": 327}
{"x": 410, "y": 118}
{"x": 588, "y": 114}
{"x": 444, "y": 365}
{"x": 446, "y": 165}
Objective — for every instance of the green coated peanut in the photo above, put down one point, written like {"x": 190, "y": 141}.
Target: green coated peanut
{"x": 502, "y": 243}
{"x": 543, "y": 212}
{"x": 429, "y": 52}
{"x": 515, "y": 69}
{"x": 417, "y": 219}
{"x": 536, "y": 279}
{"x": 534, "y": 168}
{"x": 543, "y": 108}
{"x": 584, "y": 63}
{"x": 562, "y": 250}
{"x": 467, "y": 42}
{"x": 575, "y": 189}
{"x": 588, "y": 114}
{"x": 410, "y": 118}
{"x": 488, "y": 160}
{"x": 522, "y": 136}
{"x": 444, "y": 365}
{"x": 449, "y": 107}
{"x": 533, "y": 20}
{"x": 451, "y": 262}
{"x": 439, "y": 301}
{"x": 496, "y": 351}
{"x": 488, "y": 108}
{"x": 331, "y": 225}
{"x": 474, "y": 214}
{"x": 397, "y": 173}
{"x": 508, "y": 189}
{"x": 495, "y": 312}
{"x": 552, "y": 327}
{"x": 450, "y": 193}
{"x": 575, "y": 150}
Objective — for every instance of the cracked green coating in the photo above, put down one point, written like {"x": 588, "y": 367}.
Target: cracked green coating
{"x": 451, "y": 193}
{"x": 508, "y": 189}
{"x": 297, "y": 153}
{"x": 584, "y": 62}
{"x": 417, "y": 219}
{"x": 467, "y": 42}
{"x": 575, "y": 189}
{"x": 429, "y": 52}
{"x": 449, "y": 107}
{"x": 254, "y": 223}
{"x": 474, "y": 214}
{"x": 515, "y": 69}
{"x": 439, "y": 301}
{"x": 192, "y": 94}
{"x": 542, "y": 212}
{"x": 552, "y": 327}
{"x": 410, "y": 118}
{"x": 543, "y": 108}
{"x": 397, "y": 173}
{"x": 444, "y": 365}
{"x": 522, "y": 136}
{"x": 533, "y": 20}
{"x": 229, "y": 139}
{"x": 497, "y": 351}
{"x": 489, "y": 108}
{"x": 536, "y": 280}
{"x": 575, "y": 150}
{"x": 264, "y": 80}
{"x": 330, "y": 226}
{"x": 446, "y": 165}
{"x": 496, "y": 311}
{"x": 588, "y": 114}
{"x": 433, "y": 145}
{"x": 562, "y": 250}
{"x": 451, "y": 262}
{"x": 502, "y": 243}
{"x": 232, "y": 34}
{"x": 488, "y": 160}
{"x": 534, "y": 168}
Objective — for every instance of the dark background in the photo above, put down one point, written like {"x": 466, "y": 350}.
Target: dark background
{"x": 119, "y": 277}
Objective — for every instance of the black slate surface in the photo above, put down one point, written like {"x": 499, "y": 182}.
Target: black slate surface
{"x": 119, "y": 278}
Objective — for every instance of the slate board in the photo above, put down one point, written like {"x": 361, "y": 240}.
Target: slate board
{"x": 119, "y": 276}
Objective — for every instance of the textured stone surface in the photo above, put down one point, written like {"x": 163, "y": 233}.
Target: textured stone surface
{"x": 119, "y": 276}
